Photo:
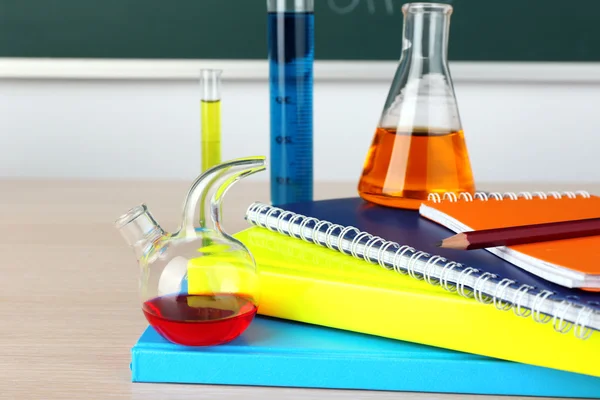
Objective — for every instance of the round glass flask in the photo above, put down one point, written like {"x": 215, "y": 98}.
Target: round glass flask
{"x": 198, "y": 286}
{"x": 419, "y": 145}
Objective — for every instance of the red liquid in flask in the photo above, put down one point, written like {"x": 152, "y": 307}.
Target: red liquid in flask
{"x": 200, "y": 319}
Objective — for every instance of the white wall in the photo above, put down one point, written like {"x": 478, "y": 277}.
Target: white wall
{"x": 150, "y": 128}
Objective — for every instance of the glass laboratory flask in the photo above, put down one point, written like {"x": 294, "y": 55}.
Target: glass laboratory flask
{"x": 198, "y": 286}
{"x": 419, "y": 146}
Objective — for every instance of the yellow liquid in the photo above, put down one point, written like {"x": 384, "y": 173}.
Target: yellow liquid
{"x": 211, "y": 133}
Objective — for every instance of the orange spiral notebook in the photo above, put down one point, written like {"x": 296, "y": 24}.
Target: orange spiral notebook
{"x": 573, "y": 263}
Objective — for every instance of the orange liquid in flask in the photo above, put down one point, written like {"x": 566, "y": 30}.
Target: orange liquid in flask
{"x": 402, "y": 168}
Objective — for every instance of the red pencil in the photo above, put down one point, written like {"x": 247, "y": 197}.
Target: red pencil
{"x": 522, "y": 234}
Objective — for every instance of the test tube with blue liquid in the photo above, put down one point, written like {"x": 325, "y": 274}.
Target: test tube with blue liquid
{"x": 291, "y": 57}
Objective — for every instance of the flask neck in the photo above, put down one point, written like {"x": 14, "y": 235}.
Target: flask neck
{"x": 425, "y": 36}
{"x": 139, "y": 229}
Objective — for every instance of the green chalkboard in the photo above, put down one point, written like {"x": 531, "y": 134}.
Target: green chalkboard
{"x": 481, "y": 30}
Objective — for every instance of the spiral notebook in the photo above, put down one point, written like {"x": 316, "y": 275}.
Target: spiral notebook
{"x": 569, "y": 262}
{"x": 403, "y": 241}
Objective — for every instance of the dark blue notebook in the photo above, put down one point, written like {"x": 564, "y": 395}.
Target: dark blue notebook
{"x": 404, "y": 241}
{"x": 273, "y": 352}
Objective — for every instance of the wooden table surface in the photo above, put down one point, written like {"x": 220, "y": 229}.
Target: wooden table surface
{"x": 69, "y": 304}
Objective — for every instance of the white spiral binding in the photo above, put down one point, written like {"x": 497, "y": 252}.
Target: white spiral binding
{"x": 518, "y": 298}
{"x": 500, "y": 289}
{"x": 382, "y": 250}
{"x": 404, "y": 252}
{"x": 560, "y": 325}
{"x": 428, "y": 269}
{"x": 460, "y": 285}
{"x": 329, "y": 235}
{"x": 411, "y": 264}
{"x": 400, "y": 252}
{"x": 317, "y": 228}
{"x": 368, "y": 247}
{"x": 535, "y": 308}
{"x": 444, "y": 275}
{"x": 280, "y": 220}
{"x": 356, "y": 241}
{"x": 343, "y": 233}
{"x": 466, "y": 196}
{"x": 583, "y": 316}
{"x": 477, "y": 291}
{"x": 291, "y": 223}
{"x": 267, "y": 215}
{"x": 303, "y": 227}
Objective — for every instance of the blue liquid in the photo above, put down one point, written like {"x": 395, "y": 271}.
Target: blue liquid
{"x": 291, "y": 55}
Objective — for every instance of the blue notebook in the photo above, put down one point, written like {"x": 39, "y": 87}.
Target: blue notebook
{"x": 402, "y": 240}
{"x": 273, "y": 352}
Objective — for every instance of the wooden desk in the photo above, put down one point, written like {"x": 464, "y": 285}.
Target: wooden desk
{"x": 69, "y": 305}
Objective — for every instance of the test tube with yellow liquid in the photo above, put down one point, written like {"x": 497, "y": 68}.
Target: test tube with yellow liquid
{"x": 210, "y": 111}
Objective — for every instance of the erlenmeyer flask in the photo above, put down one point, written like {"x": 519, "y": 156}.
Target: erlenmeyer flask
{"x": 419, "y": 146}
{"x": 199, "y": 285}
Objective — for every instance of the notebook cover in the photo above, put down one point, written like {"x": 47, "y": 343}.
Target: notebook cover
{"x": 579, "y": 254}
{"x": 304, "y": 282}
{"x": 408, "y": 227}
{"x": 273, "y": 352}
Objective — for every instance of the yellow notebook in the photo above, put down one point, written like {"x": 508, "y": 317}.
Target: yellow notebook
{"x": 312, "y": 284}
{"x": 349, "y": 264}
